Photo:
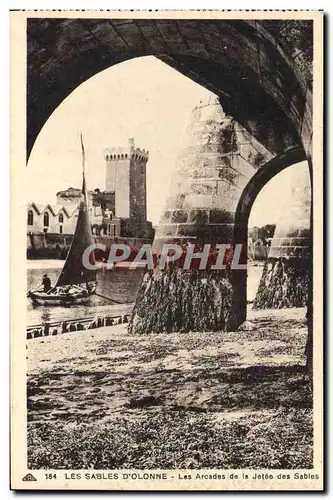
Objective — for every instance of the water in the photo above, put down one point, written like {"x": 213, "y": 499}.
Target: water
{"x": 120, "y": 284}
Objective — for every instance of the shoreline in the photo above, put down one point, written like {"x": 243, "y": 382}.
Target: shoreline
{"x": 44, "y": 264}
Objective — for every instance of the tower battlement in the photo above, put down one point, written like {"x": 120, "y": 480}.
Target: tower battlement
{"x": 129, "y": 152}
{"x": 125, "y": 175}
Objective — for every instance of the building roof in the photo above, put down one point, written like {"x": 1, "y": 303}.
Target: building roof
{"x": 54, "y": 209}
{"x": 70, "y": 192}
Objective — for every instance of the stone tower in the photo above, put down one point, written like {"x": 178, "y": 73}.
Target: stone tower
{"x": 126, "y": 176}
{"x": 217, "y": 160}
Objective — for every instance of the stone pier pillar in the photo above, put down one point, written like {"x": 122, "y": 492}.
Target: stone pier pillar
{"x": 218, "y": 159}
{"x": 286, "y": 274}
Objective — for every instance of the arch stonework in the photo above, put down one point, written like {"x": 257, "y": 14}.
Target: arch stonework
{"x": 261, "y": 73}
{"x": 249, "y": 195}
{"x": 209, "y": 202}
{"x": 286, "y": 277}
{"x": 261, "y": 70}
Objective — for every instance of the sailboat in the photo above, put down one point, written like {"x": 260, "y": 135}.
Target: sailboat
{"x": 76, "y": 283}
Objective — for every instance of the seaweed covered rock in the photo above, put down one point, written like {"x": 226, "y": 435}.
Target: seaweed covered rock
{"x": 284, "y": 283}
{"x": 182, "y": 301}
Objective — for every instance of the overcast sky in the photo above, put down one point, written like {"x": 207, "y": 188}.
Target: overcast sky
{"x": 141, "y": 98}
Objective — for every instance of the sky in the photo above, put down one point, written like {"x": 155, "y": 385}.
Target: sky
{"x": 273, "y": 202}
{"x": 141, "y": 98}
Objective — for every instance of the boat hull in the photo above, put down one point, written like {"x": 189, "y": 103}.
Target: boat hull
{"x": 56, "y": 301}
{"x": 54, "y": 298}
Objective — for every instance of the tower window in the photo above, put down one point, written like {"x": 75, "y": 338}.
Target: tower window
{"x": 60, "y": 229}
{"x": 46, "y": 219}
{"x": 61, "y": 218}
{"x": 142, "y": 169}
{"x": 30, "y": 218}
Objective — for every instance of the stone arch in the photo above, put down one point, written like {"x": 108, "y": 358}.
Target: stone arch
{"x": 267, "y": 172}
{"x": 260, "y": 179}
{"x": 232, "y": 58}
{"x": 249, "y": 59}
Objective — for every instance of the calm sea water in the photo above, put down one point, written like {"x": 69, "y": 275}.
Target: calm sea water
{"x": 120, "y": 284}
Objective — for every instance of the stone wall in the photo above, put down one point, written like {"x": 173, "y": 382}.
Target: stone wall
{"x": 48, "y": 245}
{"x": 56, "y": 246}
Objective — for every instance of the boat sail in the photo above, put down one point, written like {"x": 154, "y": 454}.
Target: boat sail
{"x": 76, "y": 283}
{"x": 74, "y": 272}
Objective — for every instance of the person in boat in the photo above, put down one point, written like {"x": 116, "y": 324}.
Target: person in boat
{"x": 46, "y": 282}
{"x": 90, "y": 287}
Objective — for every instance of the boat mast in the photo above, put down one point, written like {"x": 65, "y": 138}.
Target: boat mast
{"x": 74, "y": 272}
{"x": 84, "y": 185}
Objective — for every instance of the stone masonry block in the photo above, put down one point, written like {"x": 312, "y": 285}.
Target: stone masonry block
{"x": 304, "y": 233}
{"x": 165, "y": 217}
{"x": 179, "y": 216}
{"x": 199, "y": 216}
{"x": 203, "y": 187}
{"x": 217, "y": 216}
{"x": 300, "y": 242}
{"x": 274, "y": 252}
{"x": 224, "y": 203}
{"x": 166, "y": 230}
{"x": 198, "y": 201}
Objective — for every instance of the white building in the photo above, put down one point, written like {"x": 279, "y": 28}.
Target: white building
{"x": 61, "y": 219}
{"x": 51, "y": 218}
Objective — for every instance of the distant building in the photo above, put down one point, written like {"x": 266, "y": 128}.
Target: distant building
{"x": 120, "y": 210}
{"x": 126, "y": 177}
{"x": 101, "y": 206}
{"x": 51, "y": 218}
{"x": 259, "y": 240}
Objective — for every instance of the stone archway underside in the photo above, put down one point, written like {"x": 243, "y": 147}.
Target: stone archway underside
{"x": 261, "y": 70}
{"x": 261, "y": 73}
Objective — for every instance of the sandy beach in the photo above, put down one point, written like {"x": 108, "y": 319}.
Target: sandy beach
{"x": 172, "y": 400}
